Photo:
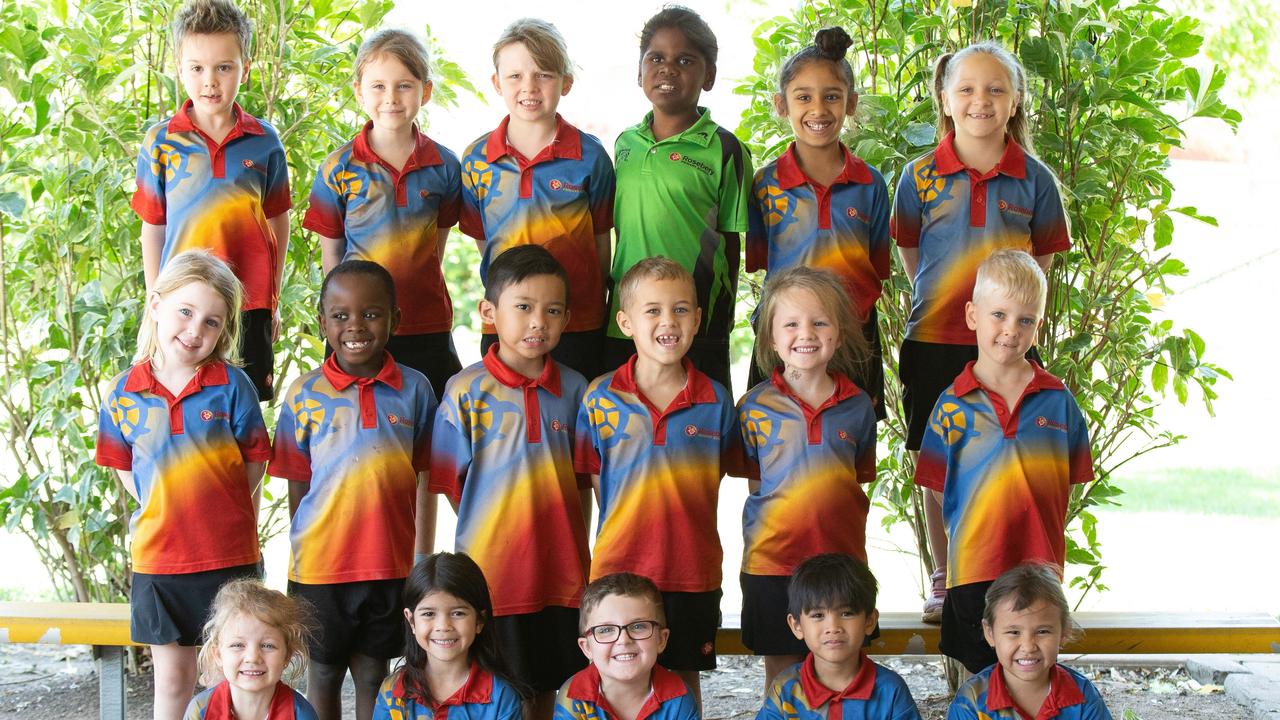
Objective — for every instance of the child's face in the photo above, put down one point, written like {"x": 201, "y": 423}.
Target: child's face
{"x": 834, "y": 635}
{"x": 662, "y": 317}
{"x": 357, "y": 319}
{"x": 445, "y": 626}
{"x": 981, "y": 98}
{"x": 189, "y": 322}
{"x": 252, "y": 654}
{"x": 531, "y": 93}
{"x": 673, "y": 73}
{"x": 529, "y": 317}
{"x": 626, "y": 659}
{"x": 1006, "y": 328}
{"x": 816, "y": 102}
{"x": 804, "y": 333}
{"x": 390, "y": 94}
{"x": 211, "y": 69}
{"x": 1026, "y": 642}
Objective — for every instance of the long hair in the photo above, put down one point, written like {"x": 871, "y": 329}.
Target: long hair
{"x": 851, "y": 350}
{"x": 248, "y": 596}
{"x": 944, "y": 73}
{"x": 182, "y": 270}
{"x": 1024, "y": 586}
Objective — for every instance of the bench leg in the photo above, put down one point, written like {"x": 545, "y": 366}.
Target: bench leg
{"x": 111, "y": 682}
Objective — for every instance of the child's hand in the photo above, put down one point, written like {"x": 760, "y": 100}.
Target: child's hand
{"x": 275, "y": 327}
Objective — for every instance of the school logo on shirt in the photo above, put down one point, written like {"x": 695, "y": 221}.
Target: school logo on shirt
{"x": 774, "y": 205}
{"x": 211, "y": 415}
{"x": 251, "y": 165}
{"x": 168, "y": 162}
{"x": 930, "y": 185}
{"x": 846, "y": 437}
{"x": 1008, "y": 207}
{"x": 675, "y": 157}
{"x": 951, "y": 422}
{"x": 477, "y": 176}
{"x": 1042, "y": 421}
{"x": 558, "y": 184}
{"x": 393, "y": 418}
{"x": 690, "y": 162}
{"x": 854, "y": 214}
{"x": 557, "y": 426}
{"x": 695, "y": 431}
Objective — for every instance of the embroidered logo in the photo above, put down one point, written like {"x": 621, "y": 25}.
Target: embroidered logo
{"x": 251, "y": 165}
{"x": 393, "y": 418}
{"x": 707, "y": 648}
{"x": 211, "y": 415}
{"x": 557, "y": 426}
{"x": 423, "y": 194}
{"x": 1013, "y": 209}
{"x": 675, "y": 157}
{"x": 558, "y": 184}
{"x": 695, "y": 431}
{"x": 555, "y": 184}
{"x": 852, "y": 213}
{"x": 1042, "y": 421}
{"x": 623, "y": 155}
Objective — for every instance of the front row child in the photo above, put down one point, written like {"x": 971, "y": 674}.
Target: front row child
{"x": 1027, "y": 620}
{"x": 622, "y": 631}
{"x": 833, "y": 610}
{"x": 253, "y": 636}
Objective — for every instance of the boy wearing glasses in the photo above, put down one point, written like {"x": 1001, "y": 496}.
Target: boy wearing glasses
{"x": 622, "y": 629}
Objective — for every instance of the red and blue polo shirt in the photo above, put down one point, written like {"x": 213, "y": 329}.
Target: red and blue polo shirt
{"x": 1005, "y": 474}
{"x": 957, "y": 217}
{"x": 359, "y": 443}
{"x": 843, "y": 228}
{"x": 217, "y": 196}
{"x": 811, "y": 463}
{"x": 187, "y": 455}
{"x": 580, "y": 698}
{"x": 559, "y": 199}
{"x": 391, "y": 216}
{"x": 876, "y": 693}
{"x": 482, "y": 697}
{"x": 215, "y": 704}
{"x": 660, "y": 476}
{"x": 985, "y": 696}
{"x": 503, "y": 454}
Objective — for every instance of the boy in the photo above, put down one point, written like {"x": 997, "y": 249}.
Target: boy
{"x": 683, "y": 184}
{"x": 652, "y": 435}
{"x": 213, "y": 176}
{"x": 833, "y": 609}
{"x": 353, "y": 441}
{"x": 622, "y": 631}
{"x": 503, "y": 454}
{"x": 1006, "y": 441}
{"x": 538, "y": 180}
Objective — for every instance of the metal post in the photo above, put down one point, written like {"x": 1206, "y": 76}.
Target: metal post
{"x": 111, "y": 686}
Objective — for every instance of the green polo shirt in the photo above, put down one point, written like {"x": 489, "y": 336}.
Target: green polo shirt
{"x": 675, "y": 198}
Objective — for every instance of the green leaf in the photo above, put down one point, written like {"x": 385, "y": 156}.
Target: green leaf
{"x": 1040, "y": 57}
{"x": 1163, "y": 232}
{"x": 920, "y": 134}
{"x": 12, "y": 204}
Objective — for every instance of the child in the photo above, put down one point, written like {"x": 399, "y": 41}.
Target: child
{"x": 214, "y": 177}
{"x": 502, "y": 452}
{"x": 1027, "y": 621}
{"x": 622, "y": 632}
{"x": 390, "y": 196}
{"x": 183, "y": 430}
{"x": 683, "y": 184}
{"x": 353, "y": 440}
{"x": 820, "y": 205}
{"x": 982, "y": 165}
{"x": 451, "y": 665}
{"x": 252, "y": 637}
{"x": 1006, "y": 442}
{"x": 537, "y": 179}
{"x": 832, "y": 607}
{"x": 653, "y": 434}
{"x": 808, "y": 443}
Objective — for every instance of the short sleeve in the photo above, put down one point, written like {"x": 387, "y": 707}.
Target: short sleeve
{"x": 565, "y": 706}
{"x": 302, "y": 710}
{"x": 383, "y": 707}
{"x": 905, "y": 223}
{"x": 111, "y": 449}
{"x": 471, "y": 209}
{"x": 505, "y": 703}
{"x": 291, "y": 451}
{"x": 277, "y": 198}
{"x": 931, "y": 466}
{"x": 451, "y": 445}
{"x": 866, "y": 460}
{"x": 878, "y": 232}
{"x": 1049, "y": 219}
{"x": 730, "y": 439}
{"x": 735, "y": 184}
{"x": 601, "y": 192}
{"x": 148, "y": 199}
{"x": 1081, "y": 462}
{"x": 425, "y": 409}
{"x": 964, "y": 706}
{"x": 744, "y": 461}
{"x": 248, "y": 427}
{"x": 1095, "y": 708}
{"x": 586, "y": 448}
{"x": 757, "y": 233}
{"x": 450, "y": 195}
{"x": 773, "y": 702}
{"x": 327, "y": 206}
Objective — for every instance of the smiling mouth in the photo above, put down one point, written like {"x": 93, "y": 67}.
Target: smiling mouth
{"x": 625, "y": 657}
{"x": 355, "y": 345}
{"x": 815, "y": 126}
{"x": 533, "y": 340}
{"x": 444, "y": 643}
{"x": 1027, "y": 662}
{"x": 665, "y": 87}
{"x": 530, "y": 104}
{"x": 668, "y": 340}
{"x": 805, "y": 349}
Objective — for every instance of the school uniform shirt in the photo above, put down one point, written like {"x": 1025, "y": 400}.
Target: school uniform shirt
{"x": 956, "y": 217}
{"x": 810, "y": 463}
{"x": 187, "y": 454}
{"x": 580, "y": 698}
{"x": 481, "y": 697}
{"x": 1005, "y": 474}
{"x": 560, "y": 199}
{"x": 391, "y": 216}
{"x": 843, "y": 228}
{"x": 359, "y": 444}
{"x": 876, "y": 693}
{"x": 215, "y": 704}
{"x": 660, "y": 476}
{"x": 217, "y": 196}
{"x": 986, "y": 697}
{"x": 503, "y": 453}
{"x": 676, "y": 198}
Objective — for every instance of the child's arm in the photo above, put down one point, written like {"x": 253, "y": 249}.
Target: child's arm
{"x": 152, "y": 247}
{"x": 424, "y": 522}
{"x": 253, "y": 471}
{"x": 442, "y": 237}
{"x": 904, "y": 223}
{"x": 126, "y": 479}
{"x": 331, "y": 252}
{"x": 911, "y": 262}
{"x": 602, "y": 252}
{"x": 280, "y": 229}
{"x": 296, "y": 491}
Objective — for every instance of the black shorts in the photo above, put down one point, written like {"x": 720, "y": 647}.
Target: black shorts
{"x": 581, "y": 351}
{"x": 355, "y": 618}
{"x": 166, "y": 609}
{"x": 693, "y": 618}
{"x": 431, "y": 354}
{"x": 961, "y": 635}
{"x": 541, "y": 648}
{"x": 256, "y": 351}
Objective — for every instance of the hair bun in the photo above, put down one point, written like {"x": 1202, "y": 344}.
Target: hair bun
{"x": 832, "y": 42}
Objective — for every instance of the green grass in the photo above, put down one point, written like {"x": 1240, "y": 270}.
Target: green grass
{"x": 1202, "y": 491}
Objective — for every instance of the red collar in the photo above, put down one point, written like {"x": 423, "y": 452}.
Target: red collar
{"x": 666, "y": 686}
{"x": 845, "y": 389}
{"x": 477, "y": 689}
{"x": 219, "y": 707}
{"x": 142, "y": 378}
{"x": 790, "y": 175}
{"x": 818, "y": 694}
{"x": 549, "y": 379}
{"x": 246, "y": 124}
{"x": 1063, "y": 693}
{"x": 424, "y": 150}
{"x": 1012, "y": 163}
{"x": 967, "y": 382}
{"x": 566, "y": 144}
{"x": 697, "y": 389}
{"x": 389, "y": 374}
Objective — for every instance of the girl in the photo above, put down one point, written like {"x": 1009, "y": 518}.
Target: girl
{"x": 183, "y": 430}
{"x": 450, "y": 663}
{"x": 819, "y": 204}
{"x": 808, "y": 441}
{"x": 253, "y": 636}
{"x": 979, "y": 190}
{"x": 1027, "y": 621}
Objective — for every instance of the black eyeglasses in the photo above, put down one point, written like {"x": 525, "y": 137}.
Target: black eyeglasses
{"x": 638, "y": 630}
